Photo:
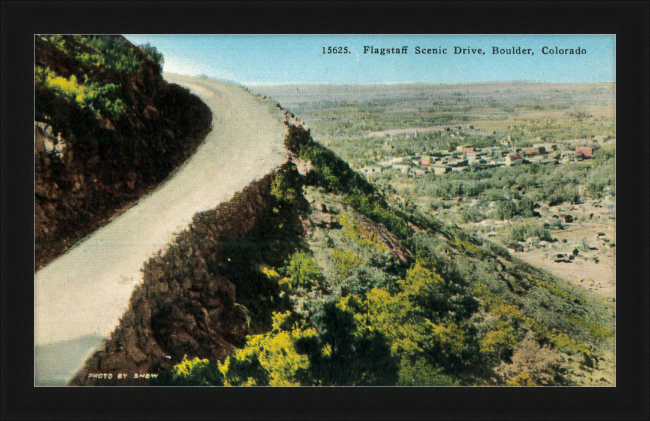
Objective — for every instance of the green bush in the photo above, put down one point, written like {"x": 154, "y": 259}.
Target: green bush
{"x": 520, "y": 232}
{"x": 595, "y": 330}
{"x": 195, "y": 372}
{"x": 472, "y": 215}
{"x": 113, "y": 51}
{"x": 95, "y": 96}
{"x": 559, "y": 292}
{"x": 422, "y": 373}
{"x": 301, "y": 271}
{"x": 282, "y": 190}
{"x": 345, "y": 262}
{"x": 153, "y": 54}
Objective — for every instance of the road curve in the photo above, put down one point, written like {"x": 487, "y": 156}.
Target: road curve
{"x": 80, "y": 296}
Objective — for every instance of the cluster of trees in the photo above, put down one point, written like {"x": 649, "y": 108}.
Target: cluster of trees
{"x": 506, "y": 209}
{"x": 527, "y": 184}
{"x": 153, "y": 54}
{"x": 581, "y": 126}
{"x": 96, "y": 96}
{"x": 520, "y": 232}
{"x": 111, "y": 51}
{"x": 370, "y": 149}
{"x": 413, "y": 333}
{"x": 541, "y": 183}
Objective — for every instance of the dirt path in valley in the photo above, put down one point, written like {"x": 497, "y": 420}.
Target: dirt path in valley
{"x": 80, "y": 296}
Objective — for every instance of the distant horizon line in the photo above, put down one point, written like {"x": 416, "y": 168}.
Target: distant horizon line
{"x": 388, "y": 83}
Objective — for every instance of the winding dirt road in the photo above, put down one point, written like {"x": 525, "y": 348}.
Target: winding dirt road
{"x": 80, "y": 296}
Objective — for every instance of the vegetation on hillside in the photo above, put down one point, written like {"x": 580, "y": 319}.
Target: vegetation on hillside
{"x": 98, "y": 98}
{"x": 455, "y": 314}
{"x": 113, "y": 52}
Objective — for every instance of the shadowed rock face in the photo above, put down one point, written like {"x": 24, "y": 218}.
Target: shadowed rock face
{"x": 168, "y": 320}
{"x": 187, "y": 303}
{"x": 108, "y": 161}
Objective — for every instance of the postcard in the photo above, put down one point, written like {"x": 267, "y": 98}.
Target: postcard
{"x": 377, "y": 210}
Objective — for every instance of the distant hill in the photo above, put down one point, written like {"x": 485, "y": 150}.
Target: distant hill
{"x": 107, "y": 129}
{"x": 295, "y": 97}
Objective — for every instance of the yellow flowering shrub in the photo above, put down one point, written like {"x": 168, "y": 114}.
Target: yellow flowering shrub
{"x": 499, "y": 339}
{"x": 359, "y": 234}
{"x": 523, "y": 379}
{"x": 345, "y": 261}
{"x": 276, "y": 353}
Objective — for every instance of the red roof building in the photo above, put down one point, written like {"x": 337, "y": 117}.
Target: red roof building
{"x": 467, "y": 150}
{"x": 513, "y": 159}
{"x": 585, "y": 152}
{"x": 531, "y": 151}
{"x": 566, "y": 218}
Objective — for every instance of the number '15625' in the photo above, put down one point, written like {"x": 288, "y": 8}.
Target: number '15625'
{"x": 336, "y": 50}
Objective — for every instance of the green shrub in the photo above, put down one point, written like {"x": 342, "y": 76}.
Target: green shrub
{"x": 112, "y": 51}
{"x": 195, "y": 372}
{"x": 369, "y": 206}
{"x": 520, "y": 232}
{"x": 595, "y": 330}
{"x": 472, "y": 215}
{"x": 559, "y": 292}
{"x": 301, "y": 271}
{"x": 99, "y": 98}
{"x": 359, "y": 234}
{"x": 523, "y": 379}
{"x": 500, "y": 340}
{"x": 282, "y": 190}
{"x": 271, "y": 358}
{"x": 153, "y": 54}
{"x": 345, "y": 262}
{"x": 422, "y": 373}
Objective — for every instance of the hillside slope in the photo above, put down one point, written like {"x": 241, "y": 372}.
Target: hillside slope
{"x": 85, "y": 291}
{"x": 108, "y": 129}
{"x": 309, "y": 277}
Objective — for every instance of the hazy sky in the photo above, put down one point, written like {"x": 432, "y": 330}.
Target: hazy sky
{"x": 256, "y": 59}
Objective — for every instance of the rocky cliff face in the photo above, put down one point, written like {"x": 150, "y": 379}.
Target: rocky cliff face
{"x": 91, "y": 162}
{"x": 199, "y": 298}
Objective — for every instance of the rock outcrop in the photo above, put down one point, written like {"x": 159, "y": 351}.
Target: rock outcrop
{"x": 91, "y": 164}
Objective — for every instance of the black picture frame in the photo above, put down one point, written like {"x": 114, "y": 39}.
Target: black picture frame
{"x": 627, "y": 20}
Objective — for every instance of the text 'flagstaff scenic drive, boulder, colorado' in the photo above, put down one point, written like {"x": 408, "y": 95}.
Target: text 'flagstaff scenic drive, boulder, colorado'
{"x": 456, "y": 50}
